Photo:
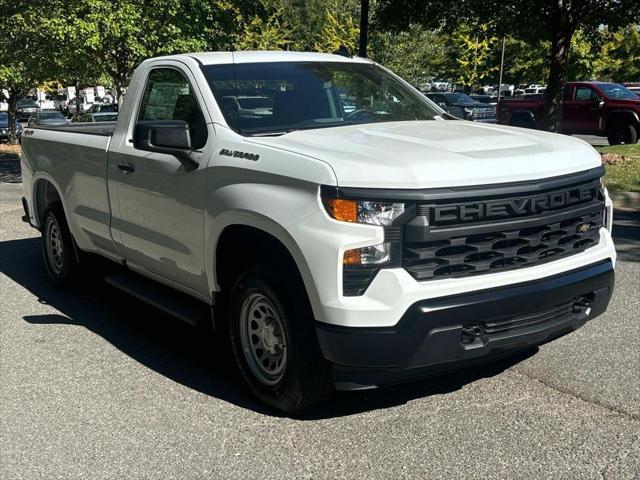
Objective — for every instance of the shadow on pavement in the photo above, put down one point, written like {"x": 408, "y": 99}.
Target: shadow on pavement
{"x": 626, "y": 235}
{"x": 10, "y": 168}
{"x": 182, "y": 353}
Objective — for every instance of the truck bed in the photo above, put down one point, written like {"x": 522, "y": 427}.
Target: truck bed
{"x": 101, "y": 128}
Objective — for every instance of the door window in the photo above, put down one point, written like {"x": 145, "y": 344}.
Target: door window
{"x": 585, "y": 94}
{"x": 169, "y": 96}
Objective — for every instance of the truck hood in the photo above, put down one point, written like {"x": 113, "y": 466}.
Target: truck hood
{"x": 431, "y": 154}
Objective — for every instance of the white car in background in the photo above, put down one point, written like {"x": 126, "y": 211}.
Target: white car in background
{"x": 84, "y": 105}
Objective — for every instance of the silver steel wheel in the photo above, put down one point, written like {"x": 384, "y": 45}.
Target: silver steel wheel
{"x": 263, "y": 339}
{"x": 55, "y": 246}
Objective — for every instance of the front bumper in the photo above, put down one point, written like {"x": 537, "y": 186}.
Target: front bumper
{"x": 447, "y": 333}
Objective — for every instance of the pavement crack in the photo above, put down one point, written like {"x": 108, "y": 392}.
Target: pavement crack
{"x": 566, "y": 391}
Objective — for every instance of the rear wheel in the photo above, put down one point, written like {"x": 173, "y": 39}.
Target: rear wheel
{"x": 622, "y": 133}
{"x": 522, "y": 122}
{"x": 275, "y": 345}
{"x": 57, "y": 247}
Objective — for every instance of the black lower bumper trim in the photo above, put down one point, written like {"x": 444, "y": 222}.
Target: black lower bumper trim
{"x": 446, "y": 333}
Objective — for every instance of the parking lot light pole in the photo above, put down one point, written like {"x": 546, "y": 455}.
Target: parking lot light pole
{"x": 364, "y": 26}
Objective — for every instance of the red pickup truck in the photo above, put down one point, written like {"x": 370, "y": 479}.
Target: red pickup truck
{"x": 596, "y": 108}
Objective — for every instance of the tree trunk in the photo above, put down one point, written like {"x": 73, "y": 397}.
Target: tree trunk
{"x": 562, "y": 33}
{"x": 120, "y": 84}
{"x": 76, "y": 116}
{"x": 12, "y": 138}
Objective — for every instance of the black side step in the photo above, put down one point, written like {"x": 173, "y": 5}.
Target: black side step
{"x": 170, "y": 301}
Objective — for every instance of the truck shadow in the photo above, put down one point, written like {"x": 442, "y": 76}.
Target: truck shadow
{"x": 182, "y": 353}
{"x": 626, "y": 234}
{"x": 10, "y": 168}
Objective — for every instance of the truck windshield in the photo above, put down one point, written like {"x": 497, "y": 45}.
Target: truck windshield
{"x": 278, "y": 97}
{"x": 617, "y": 91}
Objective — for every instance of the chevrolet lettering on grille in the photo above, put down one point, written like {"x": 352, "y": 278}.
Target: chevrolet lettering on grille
{"x": 492, "y": 209}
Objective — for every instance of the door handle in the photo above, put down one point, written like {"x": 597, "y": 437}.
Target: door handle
{"x": 127, "y": 167}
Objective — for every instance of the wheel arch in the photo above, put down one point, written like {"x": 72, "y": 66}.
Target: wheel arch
{"x": 45, "y": 193}
{"x": 617, "y": 115}
{"x": 241, "y": 230}
{"x": 524, "y": 114}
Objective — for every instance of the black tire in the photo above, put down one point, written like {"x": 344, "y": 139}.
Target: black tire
{"x": 522, "y": 122}
{"x": 622, "y": 133}
{"x": 58, "y": 253}
{"x": 305, "y": 377}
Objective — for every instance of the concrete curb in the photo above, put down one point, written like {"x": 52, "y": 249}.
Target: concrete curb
{"x": 625, "y": 200}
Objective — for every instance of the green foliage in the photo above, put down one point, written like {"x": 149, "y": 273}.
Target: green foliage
{"x": 470, "y": 51}
{"x": 619, "y": 55}
{"x": 269, "y": 31}
{"x": 418, "y": 55}
{"x": 340, "y": 27}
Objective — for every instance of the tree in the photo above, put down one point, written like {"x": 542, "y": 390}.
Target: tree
{"x": 20, "y": 67}
{"x": 470, "y": 50}
{"x": 418, "y": 55}
{"x": 618, "y": 58}
{"x": 553, "y": 20}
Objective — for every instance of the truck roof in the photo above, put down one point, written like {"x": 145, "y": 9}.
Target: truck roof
{"x": 213, "y": 58}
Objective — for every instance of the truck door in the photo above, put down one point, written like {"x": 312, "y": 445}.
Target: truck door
{"x": 582, "y": 112}
{"x": 158, "y": 210}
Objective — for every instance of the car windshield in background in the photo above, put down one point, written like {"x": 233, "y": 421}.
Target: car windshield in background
{"x": 4, "y": 119}
{"x": 50, "y": 116}
{"x": 459, "y": 98}
{"x": 26, "y": 103}
{"x": 278, "y": 97}
{"x": 617, "y": 91}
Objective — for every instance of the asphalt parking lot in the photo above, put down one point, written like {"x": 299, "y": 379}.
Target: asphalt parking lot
{"x": 94, "y": 384}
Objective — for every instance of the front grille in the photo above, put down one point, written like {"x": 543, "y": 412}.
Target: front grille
{"x": 476, "y": 234}
{"x": 500, "y": 250}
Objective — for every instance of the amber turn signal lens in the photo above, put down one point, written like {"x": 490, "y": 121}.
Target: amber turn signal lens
{"x": 351, "y": 257}
{"x": 343, "y": 210}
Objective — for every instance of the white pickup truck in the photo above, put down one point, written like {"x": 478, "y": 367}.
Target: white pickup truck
{"x": 341, "y": 229}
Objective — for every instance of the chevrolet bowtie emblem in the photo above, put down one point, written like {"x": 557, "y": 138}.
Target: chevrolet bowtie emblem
{"x": 583, "y": 227}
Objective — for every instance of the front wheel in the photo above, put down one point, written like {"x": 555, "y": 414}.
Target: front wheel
{"x": 275, "y": 345}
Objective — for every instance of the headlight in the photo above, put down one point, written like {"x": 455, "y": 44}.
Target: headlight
{"x": 360, "y": 265}
{"x": 361, "y": 211}
{"x": 468, "y": 113}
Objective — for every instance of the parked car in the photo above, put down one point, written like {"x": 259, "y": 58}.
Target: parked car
{"x": 595, "y": 108}
{"x": 60, "y": 103}
{"x": 103, "y": 107}
{"x": 4, "y": 127}
{"x": 73, "y": 104}
{"x": 463, "y": 106}
{"x": 26, "y": 107}
{"x": 49, "y": 117}
{"x": 350, "y": 250}
{"x": 486, "y": 99}
{"x": 635, "y": 90}
{"x": 98, "y": 117}
{"x": 535, "y": 89}
{"x": 46, "y": 103}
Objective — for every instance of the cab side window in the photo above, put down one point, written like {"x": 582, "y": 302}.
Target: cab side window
{"x": 169, "y": 96}
{"x": 585, "y": 94}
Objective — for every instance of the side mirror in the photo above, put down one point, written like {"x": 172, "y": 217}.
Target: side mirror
{"x": 165, "y": 136}
{"x": 601, "y": 104}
